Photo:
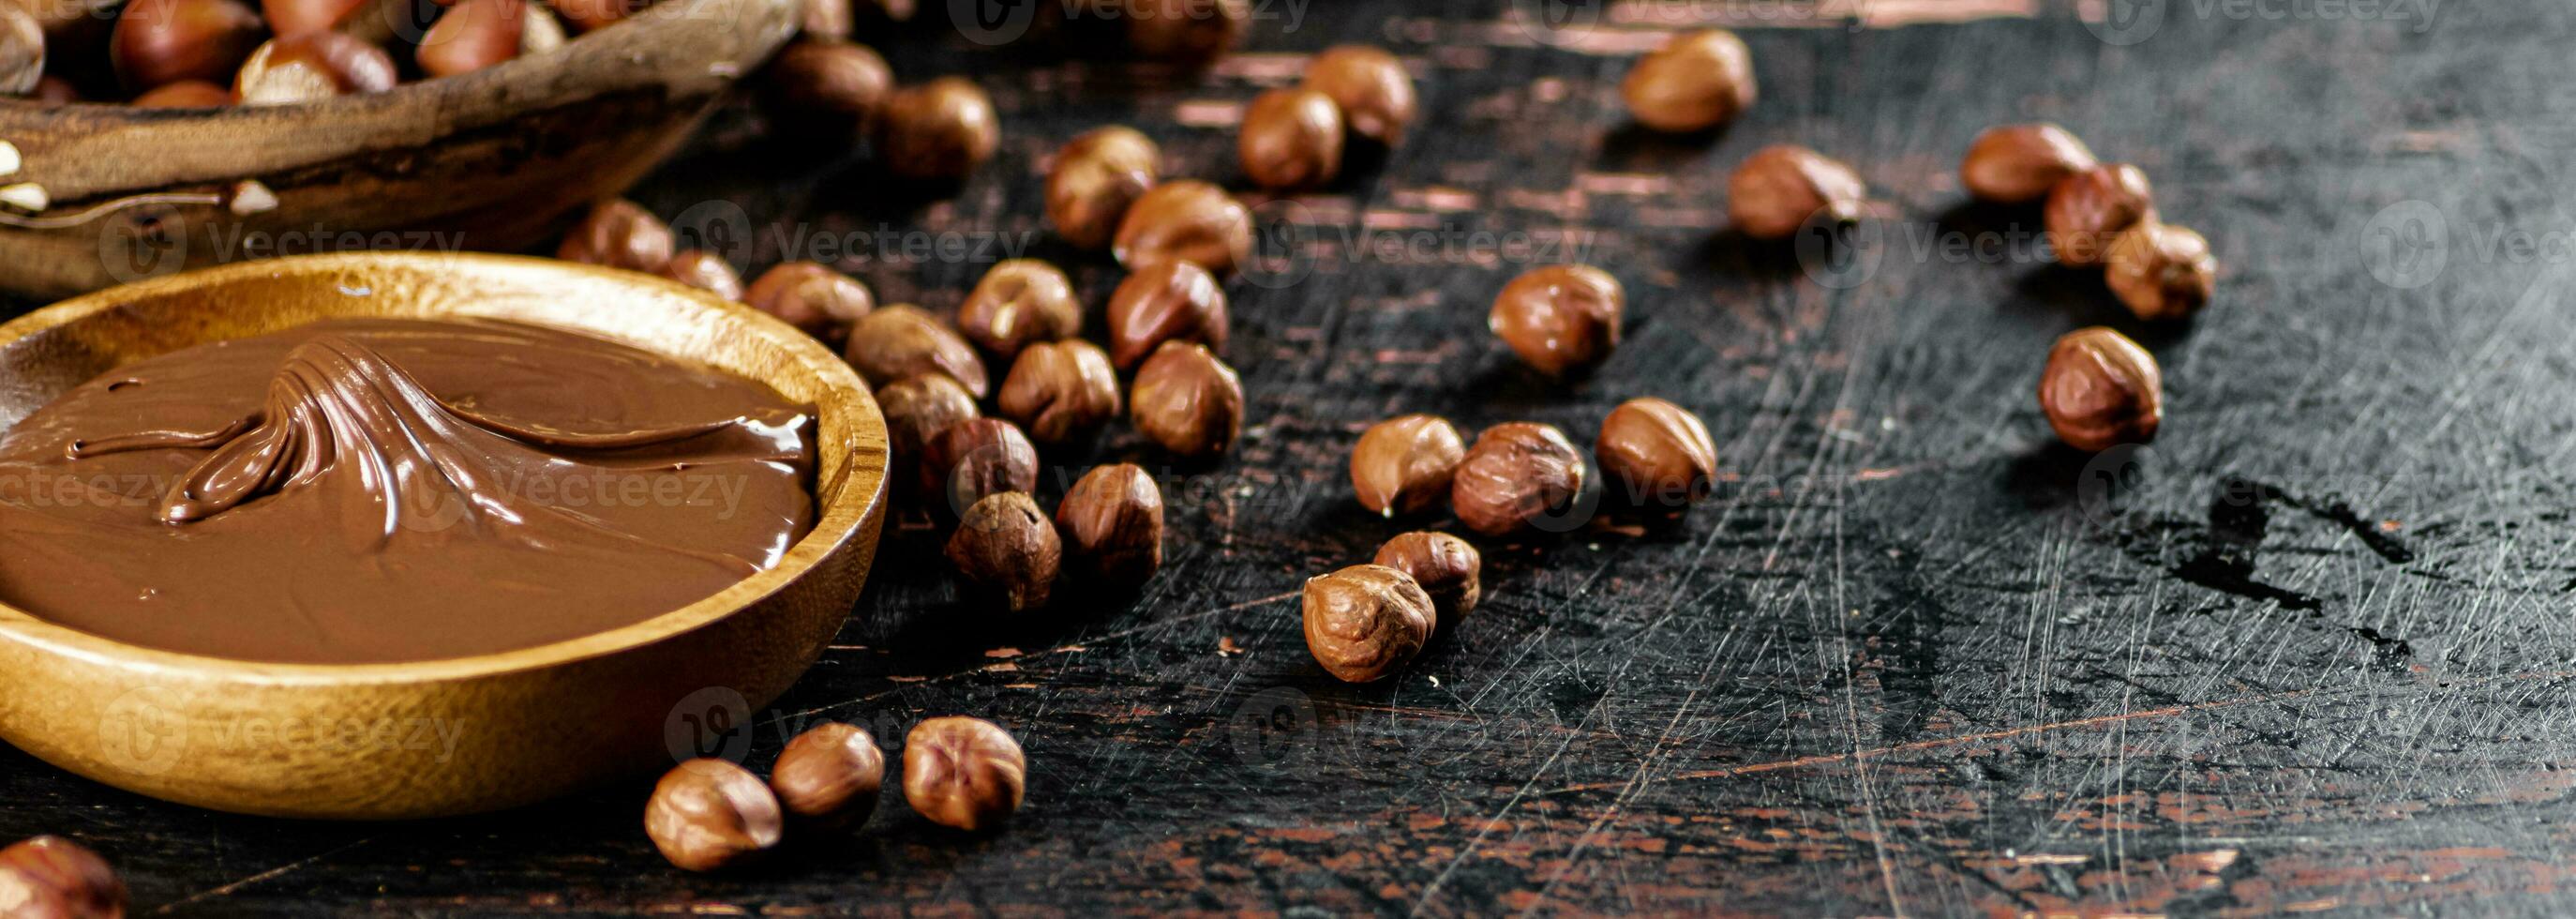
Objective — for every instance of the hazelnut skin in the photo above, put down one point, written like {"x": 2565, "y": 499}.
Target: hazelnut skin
{"x": 619, "y": 234}
{"x": 965, "y": 773}
{"x": 1019, "y": 302}
{"x": 1366, "y": 621}
{"x": 710, "y": 814}
{"x": 2086, "y": 210}
{"x": 939, "y": 130}
{"x": 1009, "y": 550}
{"x": 1291, "y": 139}
{"x": 1187, "y": 401}
{"x": 1447, "y": 568}
{"x": 829, "y": 776}
{"x": 2015, "y": 163}
{"x": 2161, "y": 271}
{"x": 705, "y": 271}
{"x": 904, "y": 340}
{"x": 313, "y": 65}
{"x": 1515, "y": 475}
{"x": 916, "y": 410}
{"x": 1095, "y": 179}
{"x": 22, "y": 51}
{"x": 2101, "y": 390}
{"x": 1695, "y": 82}
{"x": 1560, "y": 319}
{"x": 1404, "y": 465}
{"x": 1163, "y": 302}
{"x": 1061, "y": 391}
{"x": 975, "y": 459}
{"x": 1185, "y": 33}
{"x": 1658, "y": 452}
{"x": 827, "y": 86}
{"x": 49, "y": 877}
{"x": 158, "y": 42}
{"x": 1111, "y": 523}
{"x": 1370, "y": 86}
{"x": 1781, "y": 187}
{"x": 812, "y": 297}
{"x": 1187, "y": 220}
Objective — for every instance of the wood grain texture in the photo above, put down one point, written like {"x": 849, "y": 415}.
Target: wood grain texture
{"x": 2314, "y": 659}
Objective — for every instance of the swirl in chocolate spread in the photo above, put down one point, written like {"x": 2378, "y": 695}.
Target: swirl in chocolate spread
{"x": 385, "y": 490}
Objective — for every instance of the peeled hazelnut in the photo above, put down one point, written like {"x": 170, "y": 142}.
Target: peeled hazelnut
{"x": 2085, "y": 211}
{"x": 976, "y": 458}
{"x": 710, "y": 814}
{"x": 586, "y": 15}
{"x": 619, "y": 234}
{"x": 1447, "y": 567}
{"x": 1366, "y": 621}
{"x": 1187, "y": 401}
{"x": 1514, "y": 476}
{"x": 965, "y": 773}
{"x": 1112, "y": 525}
{"x": 812, "y": 297}
{"x": 1403, "y": 465}
{"x": 185, "y": 94}
{"x": 1370, "y": 86}
{"x": 902, "y": 340}
{"x": 49, "y": 877}
{"x": 2161, "y": 271}
{"x": 1291, "y": 139}
{"x": 1009, "y": 549}
{"x": 2101, "y": 390}
{"x": 827, "y": 86}
{"x": 474, "y": 34}
{"x": 942, "y": 129}
{"x": 1162, "y": 302}
{"x": 2013, "y": 163}
{"x": 1697, "y": 81}
{"x": 916, "y": 410}
{"x": 705, "y": 271}
{"x": 158, "y": 42}
{"x": 1186, "y": 220}
{"x": 1061, "y": 390}
{"x": 22, "y": 50}
{"x": 311, "y": 66}
{"x": 1560, "y": 319}
{"x": 1659, "y": 452}
{"x": 1186, "y": 33}
{"x": 1019, "y": 302}
{"x": 1095, "y": 179}
{"x": 1781, "y": 187}
{"x": 829, "y": 776}
{"x": 825, "y": 19}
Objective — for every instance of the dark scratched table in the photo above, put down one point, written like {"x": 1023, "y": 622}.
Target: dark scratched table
{"x": 2310, "y": 653}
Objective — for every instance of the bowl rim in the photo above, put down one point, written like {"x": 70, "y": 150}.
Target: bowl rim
{"x": 837, "y": 522}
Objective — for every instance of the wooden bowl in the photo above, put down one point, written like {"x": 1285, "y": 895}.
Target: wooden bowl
{"x": 491, "y": 160}
{"x": 377, "y": 741}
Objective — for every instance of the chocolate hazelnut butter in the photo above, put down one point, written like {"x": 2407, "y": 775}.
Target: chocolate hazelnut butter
{"x": 366, "y": 491}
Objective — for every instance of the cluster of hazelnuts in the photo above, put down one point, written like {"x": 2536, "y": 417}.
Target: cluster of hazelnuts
{"x": 55, "y": 878}
{"x": 1293, "y": 137}
{"x": 710, "y": 814}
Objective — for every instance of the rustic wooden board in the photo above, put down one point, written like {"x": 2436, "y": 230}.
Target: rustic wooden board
{"x": 2311, "y": 654}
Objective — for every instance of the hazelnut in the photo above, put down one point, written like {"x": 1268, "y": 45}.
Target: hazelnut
{"x": 475, "y": 34}
{"x": 1061, "y": 391}
{"x": 158, "y": 42}
{"x": 1291, "y": 139}
{"x": 902, "y": 340}
{"x": 1112, "y": 525}
{"x": 1403, "y": 465}
{"x": 826, "y": 86}
{"x": 55, "y": 91}
{"x": 1659, "y": 452}
{"x": 812, "y": 297}
{"x": 1515, "y": 475}
{"x": 296, "y": 17}
{"x": 1189, "y": 221}
{"x": 2013, "y": 163}
{"x": 829, "y": 776}
{"x": 1185, "y": 33}
{"x": 311, "y": 66}
{"x": 705, "y": 271}
{"x": 2085, "y": 210}
{"x": 1447, "y": 568}
{"x": 916, "y": 410}
{"x": 49, "y": 877}
{"x": 2101, "y": 390}
{"x": 2161, "y": 271}
{"x": 1365, "y": 621}
{"x": 1561, "y": 319}
{"x": 1781, "y": 187}
{"x": 185, "y": 94}
{"x": 1008, "y": 548}
{"x": 1187, "y": 401}
{"x": 586, "y": 15}
{"x": 976, "y": 458}
{"x": 619, "y": 234}
{"x": 22, "y": 50}
{"x": 1095, "y": 179}
{"x": 1370, "y": 86}
{"x": 942, "y": 129}
{"x": 1162, "y": 302}
{"x": 1019, "y": 302}
{"x": 710, "y": 814}
{"x": 965, "y": 773}
{"x": 886, "y": 10}
{"x": 1696, "y": 81}
{"x": 825, "y": 19}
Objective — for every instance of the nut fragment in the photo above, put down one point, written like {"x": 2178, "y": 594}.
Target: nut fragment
{"x": 1291, "y": 139}
{"x": 823, "y": 86}
{"x": 1781, "y": 187}
{"x": 159, "y": 42}
{"x": 1187, "y": 220}
{"x": 1185, "y": 33}
{"x": 1187, "y": 401}
{"x": 1696, "y": 81}
{"x": 2161, "y": 271}
{"x": 705, "y": 271}
{"x": 903, "y": 340}
{"x": 1658, "y": 452}
{"x": 829, "y": 776}
{"x": 22, "y": 50}
{"x": 1371, "y": 87}
{"x": 812, "y": 297}
{"x": 1517, "y": 476}
{"x": 942, "y": 129}
{"x": 1095, "y": 179}
{"x": 1366, "y": 621}
{"x": 976, "y": 458}
{"x": 710, "y": 814}
{"x": 311, "y": 66}
{"x": 2101, "y": 390}
{"x": 2085, "y": 211}
{"x": 49, "y": 877}
{"x": 1448, "y": 569}
{"x": 1403, "y": 465}
{"x": 965, "y": 773}
{"x": 1020, "y": 301}
{"x": 1162, "y": 302}
{"x": 619, "y": 234}
{"x": 1112, "y": 526}
{"x": 1006, "y": 546}
{"x": 916, "y": 410}
{"x": 1560, "y": 319}
{"x": 2013, "y": 163}
{"x": 1061, "y": 391}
